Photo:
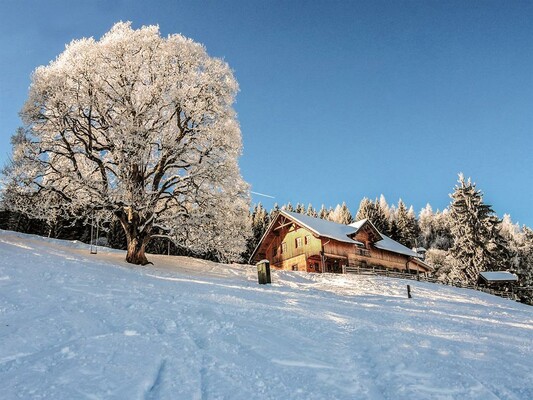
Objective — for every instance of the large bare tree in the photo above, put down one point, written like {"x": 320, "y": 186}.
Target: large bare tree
{"x": 141, "y": 128}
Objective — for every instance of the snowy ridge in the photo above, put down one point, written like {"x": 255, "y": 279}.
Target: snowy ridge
{"x": 75, "y": 325}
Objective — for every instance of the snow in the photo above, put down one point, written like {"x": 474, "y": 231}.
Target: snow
{"x": 80, "y": 326}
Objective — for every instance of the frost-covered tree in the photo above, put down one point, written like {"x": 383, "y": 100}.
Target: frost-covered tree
{"x": 524, "y": 268}
{"x": 300, "y": 208}
{"x": 274, "y": 211}
{"x": 372, "y": 210}
{"x": 520, "y": 240}
{"x": 323, "y": 213}
{"x": 426, "y": 224}
{"x": 406, "y": 224}
{"x": 288, "y": 207}
{"x": 341, "y": 214}
{"x": 311, "y": 211}
{"x": 260, "y": 220}
{"x": 385, "y": 207}
{"x": 478, "y": 245}
{"x": 138, "y": 127}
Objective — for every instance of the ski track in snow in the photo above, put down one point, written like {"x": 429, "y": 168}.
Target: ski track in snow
{"x": 81, "y": 326}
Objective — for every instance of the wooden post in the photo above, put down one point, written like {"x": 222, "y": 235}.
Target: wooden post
{"x": 409, "y": 292}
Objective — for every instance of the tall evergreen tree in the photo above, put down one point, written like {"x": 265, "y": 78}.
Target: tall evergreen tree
{"x": 288, "y": 207}
{"x": 311, "y": 211}
{"x": 478, "y": 244}
{"x": 341, "y": 214}
{"x": 260, "y": 220}
{"x": 274, "y": 211}
{"x": 323, "y": 213}
{"x": 300, "y": 208}
{"x": 372, "y": 210}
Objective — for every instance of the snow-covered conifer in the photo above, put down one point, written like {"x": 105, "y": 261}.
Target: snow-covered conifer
{"x": 341, "y": 214}
{"x": 478, "y": 245}
{"x": 288, "y": 207}
{"x": 311, "y": 211}
{"x": 372, "y": 210}
{"x": 300, "y": 208}
{"x": 323, "y": 213}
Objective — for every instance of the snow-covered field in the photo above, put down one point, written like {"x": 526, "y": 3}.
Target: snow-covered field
{"x": 81, "y": 326}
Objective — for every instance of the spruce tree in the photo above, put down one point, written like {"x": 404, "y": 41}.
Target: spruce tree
{"x": 365, "y": 209}
{"x": 478, "y": 245}
{"x": 341, "y": 214}
{"x": 311, "y": 211}
{"x": 274, "y": 211}
{"x": 300, "y": 208}
{"x": 373, "y": 211}
{"x": 323, "y": 213}
{"x": 259, "y": 220}
{"x": 288, "y": 207}
{"x": 404, "y": 225}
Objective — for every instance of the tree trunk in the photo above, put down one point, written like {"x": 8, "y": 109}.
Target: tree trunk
{"x": 136, "y": 239}
{"x": 136, "y": 247}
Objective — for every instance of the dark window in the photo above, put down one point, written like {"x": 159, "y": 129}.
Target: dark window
{"x": 307, "y": 240}
{"x": 295, "y": 267}
{"x": 298, "y": 242}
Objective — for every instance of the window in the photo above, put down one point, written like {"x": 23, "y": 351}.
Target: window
{"x": 307, "y": 239}
{"x": 298, "y": 242}
{"x": 283, "y": 247}
{"x": 295, "y": 267}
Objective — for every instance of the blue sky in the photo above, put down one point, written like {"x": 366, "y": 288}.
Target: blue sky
{"x": 339, "y": 99}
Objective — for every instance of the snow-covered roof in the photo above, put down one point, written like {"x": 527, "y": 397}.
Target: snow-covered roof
{"x": 498, "y": 276}
{"x": 340, "y": 232}
{"x": 391, "y": 245}
{"x": 358, "y": 224}
{"x": 322, "y": 227}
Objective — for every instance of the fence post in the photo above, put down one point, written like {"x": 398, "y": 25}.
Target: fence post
{"x": 409, "y": 292}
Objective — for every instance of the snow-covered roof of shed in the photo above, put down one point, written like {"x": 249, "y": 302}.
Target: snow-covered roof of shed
{"x": 322, "y": 227}
{"x": 498, "y": 276}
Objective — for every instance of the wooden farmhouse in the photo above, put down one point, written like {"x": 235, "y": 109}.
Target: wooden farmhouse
{"x": 299, "y": 242}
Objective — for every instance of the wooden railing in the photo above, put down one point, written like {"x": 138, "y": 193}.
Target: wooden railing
{"x": 425, "y": 278}
{"x": 362, "y": 252}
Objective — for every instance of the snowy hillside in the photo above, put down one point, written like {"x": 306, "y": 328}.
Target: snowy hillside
{"x": 81, "y": 326}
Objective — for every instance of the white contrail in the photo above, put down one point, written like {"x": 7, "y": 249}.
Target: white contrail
{"x": 262, "y": 194}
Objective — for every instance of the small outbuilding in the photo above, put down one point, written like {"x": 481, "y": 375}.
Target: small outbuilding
{"x": 497, "y": 280}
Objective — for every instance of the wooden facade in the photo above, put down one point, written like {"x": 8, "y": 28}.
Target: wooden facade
{"x": 290, "y": 245}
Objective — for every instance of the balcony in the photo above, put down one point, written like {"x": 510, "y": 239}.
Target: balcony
{"x": 362, "y": 252}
